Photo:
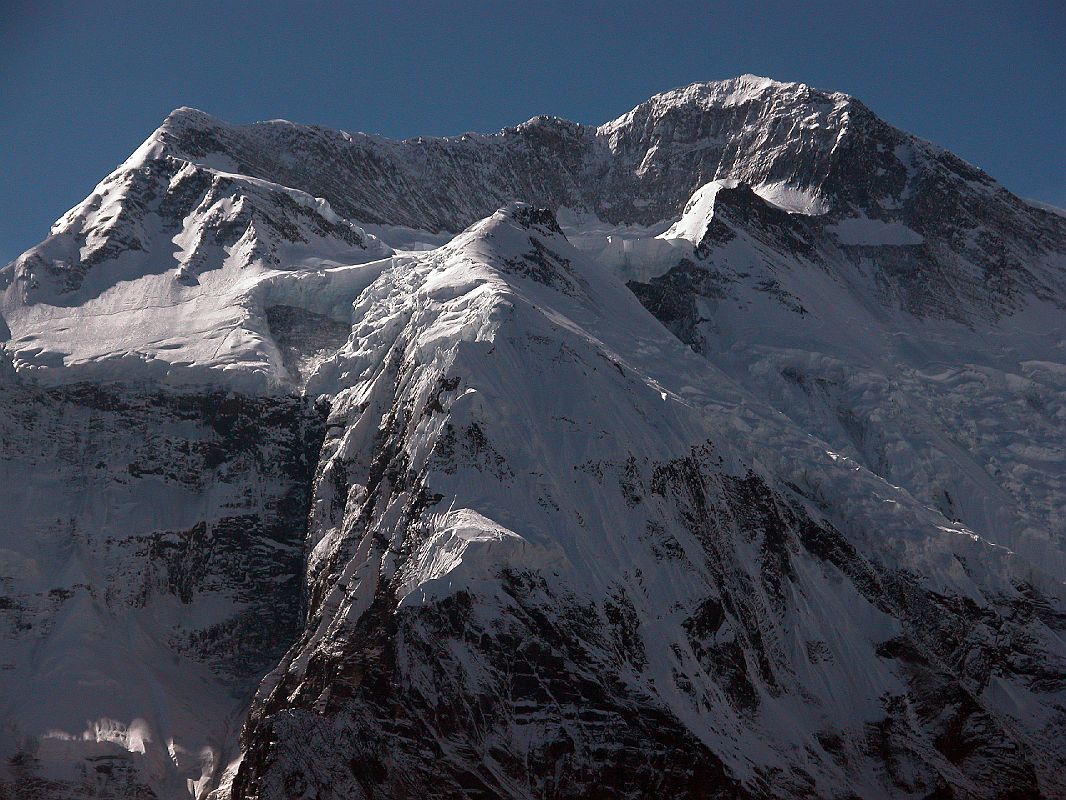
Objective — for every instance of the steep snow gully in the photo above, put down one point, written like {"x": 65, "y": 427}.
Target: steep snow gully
{"x": 713, "y": 452}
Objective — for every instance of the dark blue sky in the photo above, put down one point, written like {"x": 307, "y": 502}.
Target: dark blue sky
{"x": 82, "y": 84}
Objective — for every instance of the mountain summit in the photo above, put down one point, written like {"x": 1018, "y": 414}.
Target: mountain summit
{"x": 711, "y": 452}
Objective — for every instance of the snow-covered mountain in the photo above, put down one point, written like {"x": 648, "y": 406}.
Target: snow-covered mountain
{"x": 716, "y": 451}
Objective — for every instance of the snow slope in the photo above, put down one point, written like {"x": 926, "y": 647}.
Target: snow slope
{"x": 149, "y": 278}
{"x": 964, "y": 414}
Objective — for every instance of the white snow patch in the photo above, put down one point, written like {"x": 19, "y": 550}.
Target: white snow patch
{"x": 793, "y": 199}
{"x": 698, "y": 212}
{"x": 465, "y": 547}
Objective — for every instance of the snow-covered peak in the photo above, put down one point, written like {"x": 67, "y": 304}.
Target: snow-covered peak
{"x": 524, "y": 245}
{"x": 710, "y": 95}
{"x": 154, "y": 277}
{"x": 803, "y": 149}
{"x": 730, "y": 480}
{"x": 547, "y": 121}
{"x": 201, "y": 195}
{"x": 517, "y": 219}
{"x": 184, "y": 124}
{"x": 698, "y": 212}
{"x": 185, "y": 117}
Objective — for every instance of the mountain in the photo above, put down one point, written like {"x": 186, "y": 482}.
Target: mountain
{"x": 712, "y": 452}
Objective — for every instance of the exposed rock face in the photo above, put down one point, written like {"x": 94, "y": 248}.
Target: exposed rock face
{"x": 472, "y": 522}
{"x": 152, "y": 572}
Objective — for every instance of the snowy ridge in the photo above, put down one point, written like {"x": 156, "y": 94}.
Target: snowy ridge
{"x": 642, "y": 167}
{"x": 601, "y": 530}
{"x": 168, "y": 245}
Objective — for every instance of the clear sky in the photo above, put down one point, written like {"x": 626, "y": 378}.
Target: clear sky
{"x": 83, "y": 83}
